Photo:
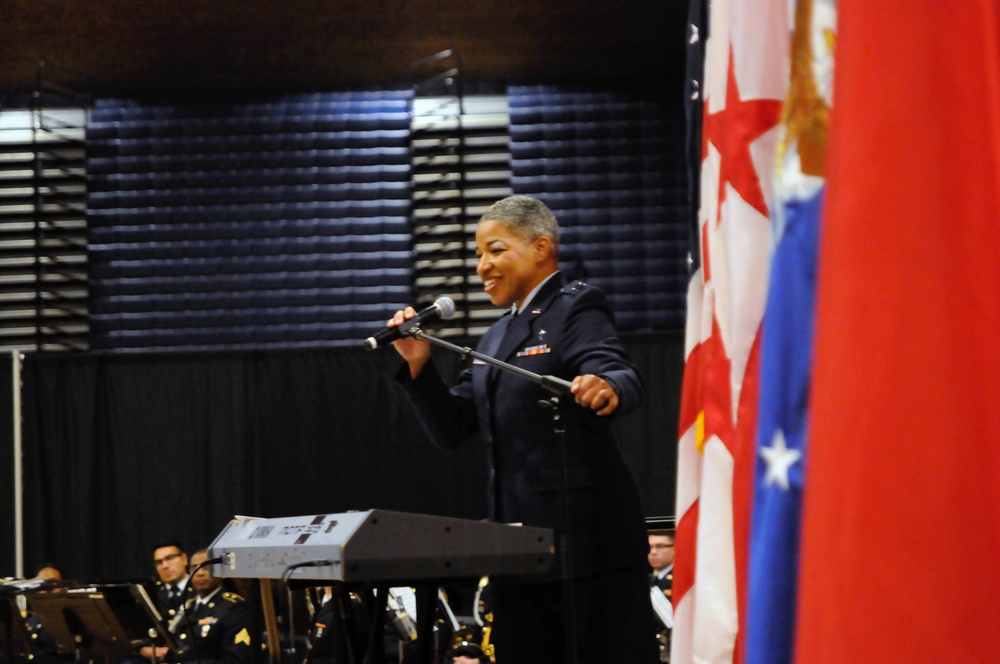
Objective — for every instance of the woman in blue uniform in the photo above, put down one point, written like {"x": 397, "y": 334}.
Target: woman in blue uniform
{"x": 563, "y": 330}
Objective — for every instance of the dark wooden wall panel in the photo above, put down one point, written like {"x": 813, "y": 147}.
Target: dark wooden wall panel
{"x": 123, "y": 46}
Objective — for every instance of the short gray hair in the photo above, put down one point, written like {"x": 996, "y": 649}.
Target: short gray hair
{"x": 528, "y": 217}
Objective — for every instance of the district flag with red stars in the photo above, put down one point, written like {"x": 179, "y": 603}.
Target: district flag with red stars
{"x": 901, "y": 508}
{"x": 743, "y": 87}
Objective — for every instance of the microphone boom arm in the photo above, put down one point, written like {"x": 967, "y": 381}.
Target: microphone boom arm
{"x": 555, "y": 385}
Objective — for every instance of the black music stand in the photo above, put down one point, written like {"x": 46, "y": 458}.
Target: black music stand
{"x": 112, "y": 620}
{"x": 14, "y": 640}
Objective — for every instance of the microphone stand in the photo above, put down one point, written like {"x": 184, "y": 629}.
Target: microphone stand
{"x": 557, "y": 387}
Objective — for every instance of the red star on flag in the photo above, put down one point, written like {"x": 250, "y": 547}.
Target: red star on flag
{"x": 732, "y": 130}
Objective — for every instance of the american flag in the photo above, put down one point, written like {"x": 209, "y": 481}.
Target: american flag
{"x": 743, "y": 87}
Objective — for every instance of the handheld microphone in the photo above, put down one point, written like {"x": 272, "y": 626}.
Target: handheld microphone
{"x": 442, "y": 308}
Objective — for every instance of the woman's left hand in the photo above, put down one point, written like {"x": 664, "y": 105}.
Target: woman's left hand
{"x": 595, "y": 393}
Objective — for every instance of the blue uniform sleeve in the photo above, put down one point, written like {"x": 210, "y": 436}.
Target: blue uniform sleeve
{"x": 592, "y": 347}
{"x": 448, "y": 416}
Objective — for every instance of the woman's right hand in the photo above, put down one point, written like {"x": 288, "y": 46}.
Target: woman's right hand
{"x": 415, "y": 352}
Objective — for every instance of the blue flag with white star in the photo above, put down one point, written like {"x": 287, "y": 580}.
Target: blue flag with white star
{"x": 786, "y": 354}
{"x": 787, "y": 341}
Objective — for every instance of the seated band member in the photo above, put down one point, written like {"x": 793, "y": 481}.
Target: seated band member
{"x": 172, "y": 589}
{"x": 172, "y": 568}
{"x": 214, "y": 627}
{"x": 337, "y": 635}
{"x": 43, "y": 647}
{"x": 661, "y": 560}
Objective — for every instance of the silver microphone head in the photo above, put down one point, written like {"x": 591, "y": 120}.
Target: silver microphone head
{"x": 446, "y": 305}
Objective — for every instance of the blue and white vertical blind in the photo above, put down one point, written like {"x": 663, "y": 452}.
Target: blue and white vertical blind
{"x": 261, "y": 223}
{"x": 611, "y": 167}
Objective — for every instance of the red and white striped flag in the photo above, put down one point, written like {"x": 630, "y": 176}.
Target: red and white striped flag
{"x": 744, "y": 84}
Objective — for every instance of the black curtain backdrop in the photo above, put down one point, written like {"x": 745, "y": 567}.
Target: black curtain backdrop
{"x": 7, "y": 516}
{"x": 124, "y": 451}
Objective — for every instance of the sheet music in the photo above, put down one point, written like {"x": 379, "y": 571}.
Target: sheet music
{"x": 402, "y": 605}
{"x": 405, "y": 599}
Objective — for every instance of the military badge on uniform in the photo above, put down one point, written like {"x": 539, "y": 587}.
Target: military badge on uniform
{"x": 540, "y": 349}
{"x": 206, "y": 625}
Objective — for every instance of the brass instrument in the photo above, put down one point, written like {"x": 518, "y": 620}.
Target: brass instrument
{"x": 484, "y": 615}
{"x": 487, "y": 630}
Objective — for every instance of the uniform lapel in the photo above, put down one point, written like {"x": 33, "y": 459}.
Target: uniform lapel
{"x": 523, "y": 326}
{"x": 518, "y": 329}
{"x": 491, "y": 342}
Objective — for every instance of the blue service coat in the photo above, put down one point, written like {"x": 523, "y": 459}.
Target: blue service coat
{"x": 565, "y": 331}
